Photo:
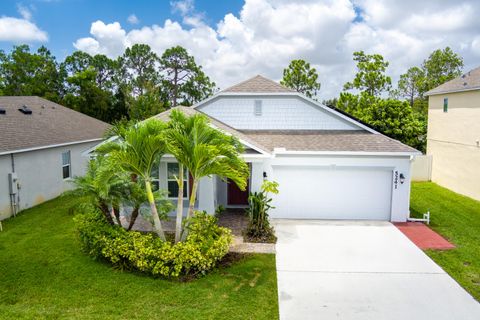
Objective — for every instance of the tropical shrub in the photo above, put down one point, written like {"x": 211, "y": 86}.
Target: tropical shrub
{"x": 204, "y": 246}
{"x": 259, "y": 228}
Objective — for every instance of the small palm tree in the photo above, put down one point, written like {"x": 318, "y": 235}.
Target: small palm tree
{"x": 103, "y": 186}
{"x": 138, "y": 149}
{"x": 205, "y": 151}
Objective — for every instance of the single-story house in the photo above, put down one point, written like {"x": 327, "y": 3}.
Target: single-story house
{"x": 328, "y": 165}
{"x": 41, "y": 146}
{"x": 453, "y": 138}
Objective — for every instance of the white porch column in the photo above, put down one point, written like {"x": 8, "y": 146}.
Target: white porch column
{"x": 256, "y": 178}
{"x": 206, "y": 195}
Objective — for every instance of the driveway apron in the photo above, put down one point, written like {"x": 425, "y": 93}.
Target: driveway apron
{"x": 361, "y": 270}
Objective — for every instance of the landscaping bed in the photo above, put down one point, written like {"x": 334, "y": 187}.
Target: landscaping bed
{"x": 457, "y": 218}
{"x": 45, "y": 275}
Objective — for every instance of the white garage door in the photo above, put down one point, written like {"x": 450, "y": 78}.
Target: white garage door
{"x": 326, "y": 193}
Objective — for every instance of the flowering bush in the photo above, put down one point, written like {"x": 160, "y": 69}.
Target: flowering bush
{"x": 204, "y": 246}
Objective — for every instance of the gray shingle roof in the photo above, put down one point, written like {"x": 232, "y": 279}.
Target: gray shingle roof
{"x": 258, "y": 84}
{"x": 307, "y": 140}
{"x": 467, "y": 81}
{"x": 49, "y": 124}
{"x": 327, "y": 140}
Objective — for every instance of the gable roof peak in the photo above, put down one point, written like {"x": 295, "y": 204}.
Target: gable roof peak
{"x": 258, "y": 84}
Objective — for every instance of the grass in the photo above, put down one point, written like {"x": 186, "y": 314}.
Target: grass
{"x": 457, "y": 218}
{"x": 44, "y": 275}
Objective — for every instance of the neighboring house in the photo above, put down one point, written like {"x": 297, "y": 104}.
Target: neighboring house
{"x": 453, "y": 138}
{"x": 328, "y": 165}
{"x": 41, "y": 145}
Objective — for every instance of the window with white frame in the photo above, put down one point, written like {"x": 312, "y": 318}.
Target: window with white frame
{"x": 66, "y": 165}
{"x": 155, "y": 175}
{"x": 172, "y": 184}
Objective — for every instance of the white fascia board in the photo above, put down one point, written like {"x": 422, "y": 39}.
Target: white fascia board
{"x": 87, "y": 152}
{"x": 241, "y": 140}
{"x": 49, "y": 146}
{"x": 427, "y": 94}
{"x": 338, "y": 114}
{"x": 345, "y": 153}
{"x": 249, "y": 157}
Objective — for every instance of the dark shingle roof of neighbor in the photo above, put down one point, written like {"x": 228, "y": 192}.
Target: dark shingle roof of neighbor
{"x": 258, "y": 84}
{"x": 327, "y": 140}
{"x": 307, "y": 140}
{"x": 467, "y": 81}
{"x": 49, "y": 124}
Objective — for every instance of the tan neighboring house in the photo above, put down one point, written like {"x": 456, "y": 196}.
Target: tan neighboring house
{"x": 454, "y": 134}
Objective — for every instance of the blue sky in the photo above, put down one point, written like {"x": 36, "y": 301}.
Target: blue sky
{"x": 237, "y": 39}
{"x": 67, "y": 20}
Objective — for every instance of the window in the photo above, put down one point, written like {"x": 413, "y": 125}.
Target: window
{"x": 258, "y": 108}
{"x": 66, "y": 165}
{"x": 155, "y": 174}
{"x": 445, "y": 105}
{"x": 172, "y": 175}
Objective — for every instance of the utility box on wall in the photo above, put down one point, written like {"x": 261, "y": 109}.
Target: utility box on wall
{"x": 13, "y": 183}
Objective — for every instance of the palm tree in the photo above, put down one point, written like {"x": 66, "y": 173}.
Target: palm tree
{"x": 179, "y": 126}
{"x": 204, "y": 151}
{"x": 137, "y": 151}
{"x": 103, "y": 186}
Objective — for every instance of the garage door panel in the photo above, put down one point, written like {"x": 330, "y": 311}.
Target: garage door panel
{"x": 326, "y": 193}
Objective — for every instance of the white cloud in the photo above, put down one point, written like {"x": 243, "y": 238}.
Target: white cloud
{"x": 20, "y": 30}
{"x": 184, "y": 7}
{"x": 132, "y": 19}
{"x": 267, "y": 34}
{"x": 108, "y": 39}
{"x": 24, "y": 12}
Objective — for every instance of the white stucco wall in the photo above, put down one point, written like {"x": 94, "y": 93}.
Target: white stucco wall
{"x": 278, "y": 113}
{"x": 40, "y": 174}
{"x": 400, "y": 201}
{"x": 422, "y": 168}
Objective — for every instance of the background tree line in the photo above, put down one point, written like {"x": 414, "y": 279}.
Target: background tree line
{"x": 136, "y": 85}
{"x": 400, "y": 113}
{"x": 139, "y": 84}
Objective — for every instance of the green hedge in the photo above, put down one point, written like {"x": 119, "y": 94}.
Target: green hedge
{"x": 205, "y": 245}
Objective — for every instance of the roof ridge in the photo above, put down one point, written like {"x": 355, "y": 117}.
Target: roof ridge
{"x": 256, "y": 88}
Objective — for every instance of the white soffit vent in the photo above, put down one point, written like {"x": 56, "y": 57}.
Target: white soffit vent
{"x": 258, "y": 108}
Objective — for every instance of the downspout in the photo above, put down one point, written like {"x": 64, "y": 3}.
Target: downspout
{"x": 13, "y": 201}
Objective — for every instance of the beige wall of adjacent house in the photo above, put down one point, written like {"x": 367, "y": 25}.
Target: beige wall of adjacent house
{"x": 453, "y": 141}
{"x": 40, "y": 175}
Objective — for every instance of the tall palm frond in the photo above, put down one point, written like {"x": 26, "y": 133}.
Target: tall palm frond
{"x": 205, "y": 151}
{"x": 138, "y": 149}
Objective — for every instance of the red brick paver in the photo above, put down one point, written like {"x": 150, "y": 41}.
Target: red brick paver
{"x": 423, "y": 236}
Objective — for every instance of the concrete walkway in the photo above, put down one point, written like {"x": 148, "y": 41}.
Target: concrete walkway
{"x": 361, "y": 270}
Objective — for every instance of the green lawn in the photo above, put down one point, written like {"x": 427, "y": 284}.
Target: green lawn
{"x": 457, "y": 218}
{"x": 43, "y": 275}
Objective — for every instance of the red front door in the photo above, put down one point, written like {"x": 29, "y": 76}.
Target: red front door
{"x": 235, "y": 195}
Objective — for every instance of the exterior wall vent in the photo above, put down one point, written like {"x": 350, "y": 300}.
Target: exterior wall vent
{"x": 25, "y": 110}
{"x": 258, "y": 108}
{"x": 3, "y": 111}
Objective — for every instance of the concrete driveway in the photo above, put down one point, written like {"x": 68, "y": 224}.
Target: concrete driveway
{"x": 361, "y": 270}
